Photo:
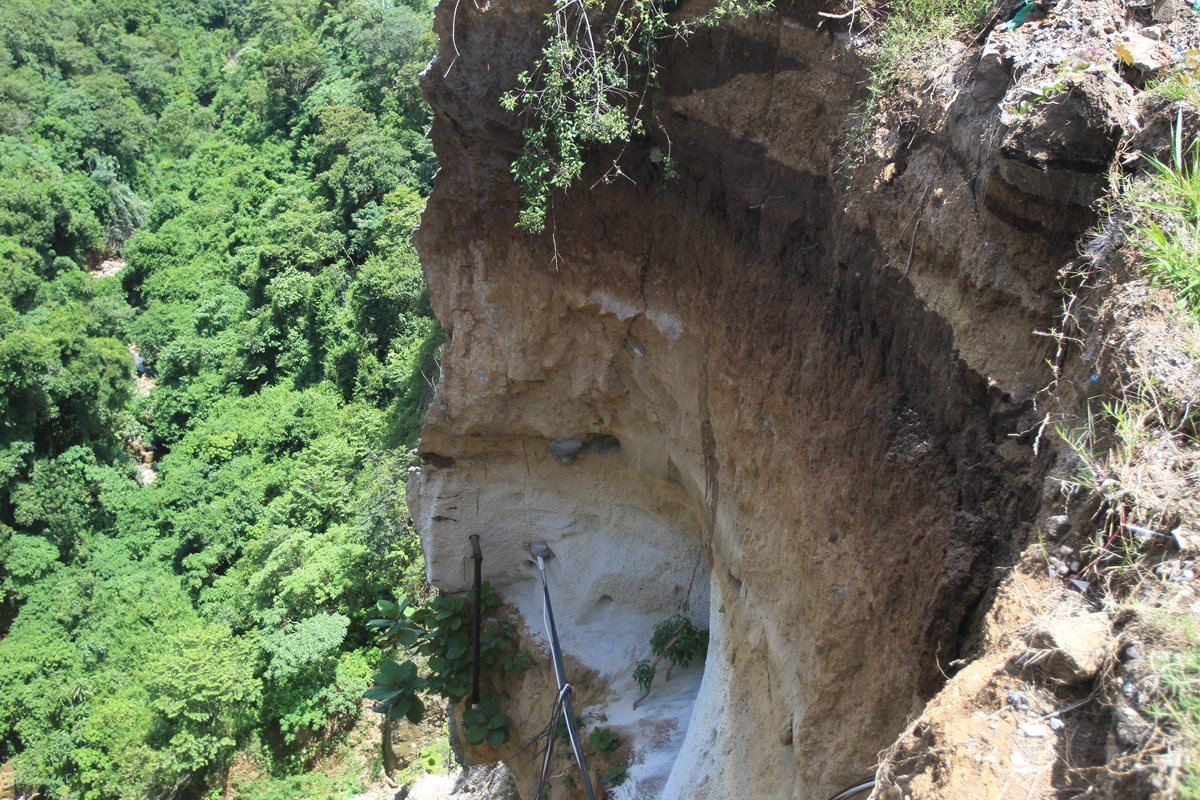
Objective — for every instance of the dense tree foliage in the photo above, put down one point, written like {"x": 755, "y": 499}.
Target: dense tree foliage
{"x": 259, "y": 167}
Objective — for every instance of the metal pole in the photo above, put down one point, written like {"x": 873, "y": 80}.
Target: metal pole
{"x": 477, "y": 622}
{"x": 564, "y": 688}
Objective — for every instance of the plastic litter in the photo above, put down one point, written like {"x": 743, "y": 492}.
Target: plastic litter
{"x": 1023, "y": 12}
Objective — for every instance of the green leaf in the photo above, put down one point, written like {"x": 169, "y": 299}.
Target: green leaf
{"x": 456, "y": 649}
{"x": 416, "y": 711}
{"x": 496, "y": 738}
{"x": 476, "y": 734}
{"x": 389, "y": 672}
{"x": 408, "y": 672}
{"x": 400, "y": 706}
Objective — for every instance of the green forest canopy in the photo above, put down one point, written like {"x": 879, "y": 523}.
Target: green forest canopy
{"x": 259, "y": 167}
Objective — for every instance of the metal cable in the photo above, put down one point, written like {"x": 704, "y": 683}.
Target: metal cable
{"x": 549, "y": 746}
{"x": 564, "y": 688}
{"x": 851, "y": 791}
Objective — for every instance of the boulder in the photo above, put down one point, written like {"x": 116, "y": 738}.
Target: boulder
{"x": 1072, "y": 648}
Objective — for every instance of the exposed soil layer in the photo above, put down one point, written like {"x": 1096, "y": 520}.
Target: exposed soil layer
{"x": 820, "y": 379}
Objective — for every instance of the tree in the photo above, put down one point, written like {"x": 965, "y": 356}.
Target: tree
{"x": 260, "y": 167}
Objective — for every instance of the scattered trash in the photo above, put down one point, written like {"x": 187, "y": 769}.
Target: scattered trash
{"x": 1019, "y": 701}
{"x": 1187, "y": 541}
{"x": 1035, "y": 730}
{"x": 1022, "y": 13}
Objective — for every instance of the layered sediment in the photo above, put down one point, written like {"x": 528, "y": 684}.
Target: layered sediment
{"x": 789, "y": 395}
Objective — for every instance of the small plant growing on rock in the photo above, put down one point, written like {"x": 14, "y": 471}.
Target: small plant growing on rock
{"x": 1169, "y": 234}
{"x": 485, "y": 723}
{"x": 643, "y": 673}
{"x": 395, "y": 691}
{"x": 1182, "y": 83}
{"x": 615, "y": 775}
{"x": 605, "y": 741}
{"x": 440, "y": 632}
{"x": 1032, "y": 98}
{"x": 676, "y": 639}
{"x": 393, "y": 623}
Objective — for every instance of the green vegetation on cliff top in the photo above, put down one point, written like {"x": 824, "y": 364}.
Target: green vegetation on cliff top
{"x": 260, "y": 167}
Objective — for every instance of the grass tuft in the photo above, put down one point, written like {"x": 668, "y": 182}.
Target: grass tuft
{"x": 1178, "y": 705}
{"x": 1168, "y": 232}
{"x": 907, "y": 38}
{"x": 1182, "y": 83}
{"x": 911, "y": 35}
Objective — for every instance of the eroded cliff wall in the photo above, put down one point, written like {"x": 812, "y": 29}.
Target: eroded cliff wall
{"x": 804, "y": 393}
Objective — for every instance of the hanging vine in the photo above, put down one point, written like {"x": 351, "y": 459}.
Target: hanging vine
{"x": 592, "y": 85}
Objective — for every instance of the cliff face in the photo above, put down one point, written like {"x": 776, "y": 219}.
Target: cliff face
{"x": 804, "y": 394}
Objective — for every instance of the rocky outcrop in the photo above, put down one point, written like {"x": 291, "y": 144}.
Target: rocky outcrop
{"x": 789, "y": 397}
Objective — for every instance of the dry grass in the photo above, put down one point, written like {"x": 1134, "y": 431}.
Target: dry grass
{"x": 1137, "y": 456}
{"x": 1182, "y": 83}
{"x": 1138, "y": 459}
{"x": 912, "y": 33}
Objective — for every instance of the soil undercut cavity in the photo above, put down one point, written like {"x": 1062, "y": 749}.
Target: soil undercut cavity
{"x": 790, "y": 398}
